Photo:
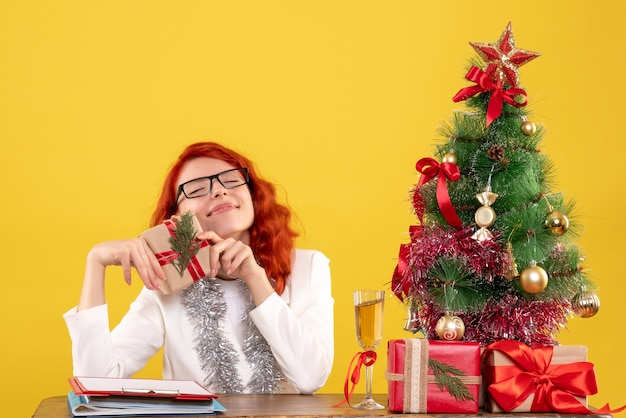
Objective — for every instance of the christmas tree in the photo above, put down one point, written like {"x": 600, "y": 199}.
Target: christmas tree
{"x": 494, "y": 254}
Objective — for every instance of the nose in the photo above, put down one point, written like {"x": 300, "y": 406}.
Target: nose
{"x": 217, "y": 189}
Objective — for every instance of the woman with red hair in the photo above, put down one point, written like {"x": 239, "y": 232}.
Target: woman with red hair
{"x": 260, "y": 322}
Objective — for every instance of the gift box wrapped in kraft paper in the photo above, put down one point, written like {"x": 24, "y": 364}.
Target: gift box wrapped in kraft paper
{"x": 184, "y": 258}
{"x": 427, "y": 376}
{"x": 542, "y": 379}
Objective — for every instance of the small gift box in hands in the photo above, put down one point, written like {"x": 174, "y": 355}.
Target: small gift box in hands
{"x": 184, "y": 258}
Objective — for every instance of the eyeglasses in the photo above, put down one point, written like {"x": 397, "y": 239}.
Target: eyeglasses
{"x": 202, "y": 186}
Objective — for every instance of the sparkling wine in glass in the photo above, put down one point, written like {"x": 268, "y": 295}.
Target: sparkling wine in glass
{"x": 368, "y": 313}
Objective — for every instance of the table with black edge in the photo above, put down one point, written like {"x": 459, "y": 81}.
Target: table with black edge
{"x": 297, "y": 406}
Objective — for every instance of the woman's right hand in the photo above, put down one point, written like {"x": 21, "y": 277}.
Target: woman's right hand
{"x": 128, "y": 253}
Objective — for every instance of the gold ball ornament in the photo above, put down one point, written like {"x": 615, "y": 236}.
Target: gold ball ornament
{"x": 533, "y": 279}
{"x": 450, "y": 328}
{"x": 449, "y": 157}
{"x": 557, "y": 222}
{"x": 528, "y": 128}
{"x": 586, "y": 304}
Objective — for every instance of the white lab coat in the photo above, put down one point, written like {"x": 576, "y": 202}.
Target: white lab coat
{"x": 298, "y": 326}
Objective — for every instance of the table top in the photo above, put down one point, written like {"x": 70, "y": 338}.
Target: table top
{"x": 294, "y": 406}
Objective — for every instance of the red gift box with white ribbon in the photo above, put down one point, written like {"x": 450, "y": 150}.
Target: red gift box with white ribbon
{"x": 416, "y": 368}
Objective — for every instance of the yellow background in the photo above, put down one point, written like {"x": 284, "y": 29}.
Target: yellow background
{"x": 335, "y": 101}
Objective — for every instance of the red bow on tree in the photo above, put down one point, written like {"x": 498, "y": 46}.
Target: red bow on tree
{"x": 399, "y": 285}
{"x": 430, "y": 168}
{"x": 484, "y": 83}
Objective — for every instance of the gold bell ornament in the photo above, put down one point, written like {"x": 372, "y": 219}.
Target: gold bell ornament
{"x": 412, "y": 321}
{"x": 513, "y": 272}
{"x": 533, "y": 278}
{"x": 586, "y": 304}
{"x": 450, "y": 327}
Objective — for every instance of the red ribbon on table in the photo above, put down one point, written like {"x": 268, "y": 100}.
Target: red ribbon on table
{"x": 365, "y": 358}
{"x": 194, "y": 268}
{"x": 554, "y": 385}
{"x": 484, "y": 83}
{"x": 430, "y": 168}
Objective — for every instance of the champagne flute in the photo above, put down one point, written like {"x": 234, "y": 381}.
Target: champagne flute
{"x": 368, "y": 313}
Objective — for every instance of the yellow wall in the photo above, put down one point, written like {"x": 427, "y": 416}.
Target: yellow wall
{"x": 335, "y": 100}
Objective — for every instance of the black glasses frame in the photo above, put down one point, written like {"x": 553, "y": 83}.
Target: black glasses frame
{"x": 242, "y": 170}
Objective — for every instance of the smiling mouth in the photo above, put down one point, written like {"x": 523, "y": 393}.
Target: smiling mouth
{"x": 221, "y": 209}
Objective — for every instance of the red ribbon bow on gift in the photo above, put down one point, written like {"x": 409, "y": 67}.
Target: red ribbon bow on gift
{"x": 430, "y": 168}
{"x": 365, "y": 358}
{"x": 554, "y": 385}
{"x": 484, "y": 83}
{"x": 194, "y": 268}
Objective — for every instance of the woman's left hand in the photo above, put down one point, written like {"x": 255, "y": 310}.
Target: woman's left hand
{"x": 232, "y": 259}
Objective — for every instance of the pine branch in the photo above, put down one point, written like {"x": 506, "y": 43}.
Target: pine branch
{"x": 454, "y": 287}
{"x": 445, "y": 379}
{"x": 183, "y": 242}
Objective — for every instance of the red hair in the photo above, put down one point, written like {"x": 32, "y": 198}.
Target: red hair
{"x": 271, "y": 236}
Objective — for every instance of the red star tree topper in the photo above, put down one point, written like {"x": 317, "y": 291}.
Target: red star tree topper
{"x": 503, "y": 58}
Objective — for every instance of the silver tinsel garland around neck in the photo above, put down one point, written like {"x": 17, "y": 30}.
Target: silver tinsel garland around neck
{"x": 206, "y": 309}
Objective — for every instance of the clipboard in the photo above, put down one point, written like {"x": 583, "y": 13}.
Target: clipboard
{"x": 146, "y": 388}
